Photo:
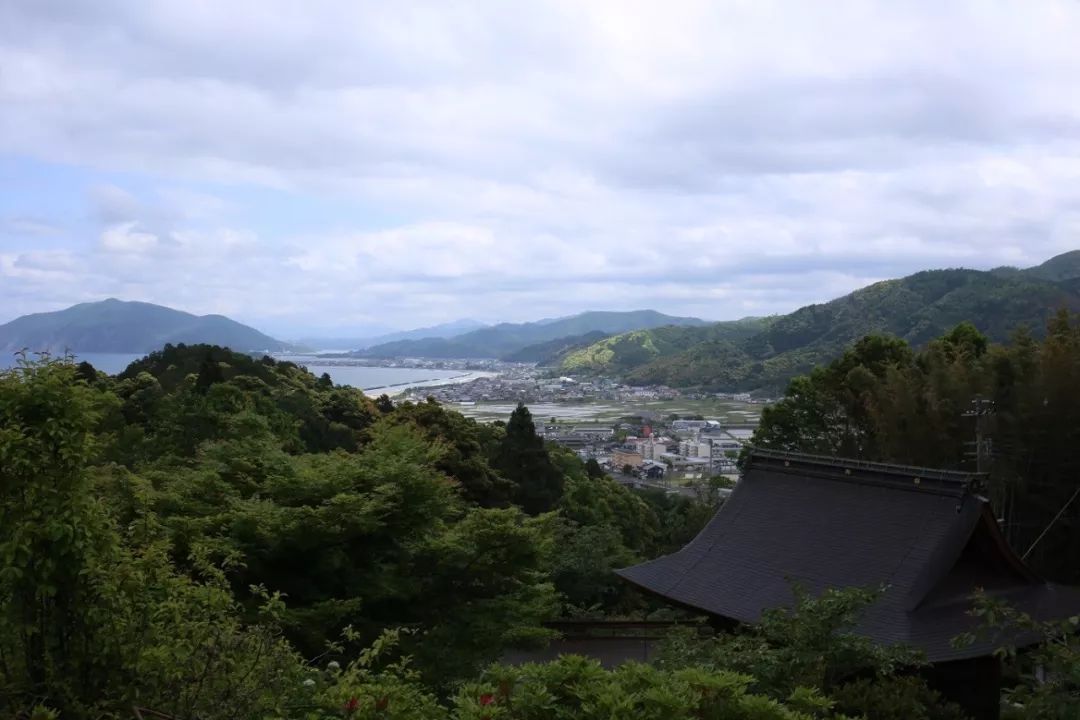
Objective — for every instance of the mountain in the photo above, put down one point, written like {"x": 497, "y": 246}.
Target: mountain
{"x": 505, "y": 339}
{"x": 916, "y": 308}
{"x": 627, "y": 351}
{"x": 1061, "y": 267}
{"x": 552, "y": 352}
{"x": 359, "y": 342}
{"x": 115, "y": 326}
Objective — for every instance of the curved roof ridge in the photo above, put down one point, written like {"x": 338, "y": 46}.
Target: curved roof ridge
{"x": 956, "y": 483}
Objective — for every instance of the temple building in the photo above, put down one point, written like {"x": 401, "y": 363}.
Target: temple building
{"x": 927, "y": 536}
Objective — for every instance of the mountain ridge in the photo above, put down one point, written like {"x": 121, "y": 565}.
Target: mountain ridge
{"x": 917, "y": 308}
{"x": 503, "y": 339}
{"x": 361, "y": 342}
{"x": 124, "y": 326}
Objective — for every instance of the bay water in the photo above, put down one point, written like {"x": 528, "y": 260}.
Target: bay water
{"x": 374, "y": 381}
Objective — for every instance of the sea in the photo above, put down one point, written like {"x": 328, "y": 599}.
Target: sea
{"x": 374, "y": 381}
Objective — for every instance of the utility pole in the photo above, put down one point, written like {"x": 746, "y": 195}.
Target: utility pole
{"x": 981, "y": 410}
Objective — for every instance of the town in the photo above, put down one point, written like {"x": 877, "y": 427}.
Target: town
{"x": 641, "y": 438}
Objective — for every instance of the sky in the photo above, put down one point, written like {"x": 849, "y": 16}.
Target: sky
{"x": 347, "y": 166}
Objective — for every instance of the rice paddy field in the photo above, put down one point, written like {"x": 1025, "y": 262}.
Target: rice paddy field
{"x": 609, "y": 411}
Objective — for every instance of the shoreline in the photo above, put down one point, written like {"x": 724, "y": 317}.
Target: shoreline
{"x": 423, "y": 383}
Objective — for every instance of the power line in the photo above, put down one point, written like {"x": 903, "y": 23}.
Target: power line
{"x": 1047, "y": 529}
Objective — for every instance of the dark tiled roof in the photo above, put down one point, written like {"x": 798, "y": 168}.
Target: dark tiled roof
{"x": 824, "y": 523}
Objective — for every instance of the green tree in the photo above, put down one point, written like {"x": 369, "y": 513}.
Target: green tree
{"x": 54, "y": 537}
{"x": 93, "y": 619}
{"x": 522, "y": 458}
{"x": 813, "y": 645}
{"x": 881, "y": 402}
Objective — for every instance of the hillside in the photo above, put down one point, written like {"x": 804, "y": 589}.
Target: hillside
{"x": 505, "y": 339}
{"x": 627, "y": 351}
{"x": 916, "y": 308}
{"x": 552, "y": 352}
{"x": 359, "y": 342}
{"x": 115, "y": 326}
{"x": 1062, "y": 267}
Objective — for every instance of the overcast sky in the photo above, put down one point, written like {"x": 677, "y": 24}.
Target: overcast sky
{"x": 332, "y": 166}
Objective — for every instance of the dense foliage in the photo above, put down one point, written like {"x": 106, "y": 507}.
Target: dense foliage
{"x": 883, "y": 401}
{"x": 813, "y": 646}
{"x": 213, "y": 536}
{"x": 916, "y": 309}
{"x": 205, "y": 501}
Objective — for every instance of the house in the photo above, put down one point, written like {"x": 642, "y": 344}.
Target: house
{"x": 652, "y": 470}
{"x": 927, "y": 535}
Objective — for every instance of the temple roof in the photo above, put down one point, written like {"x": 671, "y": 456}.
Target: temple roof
{"x": 926, "y": 535}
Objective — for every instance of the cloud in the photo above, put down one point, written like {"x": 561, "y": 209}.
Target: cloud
{"x": 112, "y": 205}
{"x": 341, "y": 162}
{"x": 126, "y": 239}
{"x": 29, "y": 227}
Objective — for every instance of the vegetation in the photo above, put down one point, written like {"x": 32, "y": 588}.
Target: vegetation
{"x": 207, "y": 512}
{"x": 627, "y": 351}
{"x": 881, "y": 400}
{"x": 1048, "y": 676}
{"x": 916, "y": 309}
{"x": 551, "y": 352}
{"x": 113, "y": 326}
{"x": 212, "y": 536}
{"x": 505, "y": 339}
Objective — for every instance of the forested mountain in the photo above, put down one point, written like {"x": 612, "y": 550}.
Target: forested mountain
{"x": 552, "y": 352}
{"x": 627, "y": 351}
{"x": 1061, "y": 267}
{"x": 507, "y": 338}
{"x": 357, "y": 342}
{"x": 115, "y": 326}
{"x": 915, "y": 308}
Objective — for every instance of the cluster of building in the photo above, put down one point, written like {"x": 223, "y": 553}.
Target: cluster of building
{"x": 524, "y": 383}
{"x": 684, "y": 450}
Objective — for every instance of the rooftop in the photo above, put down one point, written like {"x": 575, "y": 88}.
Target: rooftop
{"x": 926, "y": 535}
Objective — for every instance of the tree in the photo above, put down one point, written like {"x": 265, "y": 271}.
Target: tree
{"x": 882, "y": 402}
{"x": 1048, "y": 675}
{"x": 209, "y": 373}
{"x": 93, "y": 618}
{"x": 54, "y": 536}
{"x": 523, "y": 459}
{"x": 384, "y": 404}
{"x": 813, "y": 645}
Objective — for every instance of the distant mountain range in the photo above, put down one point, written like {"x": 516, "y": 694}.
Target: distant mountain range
{"x": 115, "y": 326}
{"x": 642, "y": 346}
{"x": 444, "y": 330}
{"x": 507, "y": 339}
{"x": 764, "y": 353}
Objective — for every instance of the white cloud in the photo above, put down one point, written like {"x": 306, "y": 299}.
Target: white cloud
{"x": 125, "y": 239}
{"x": 520, "y": 160}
